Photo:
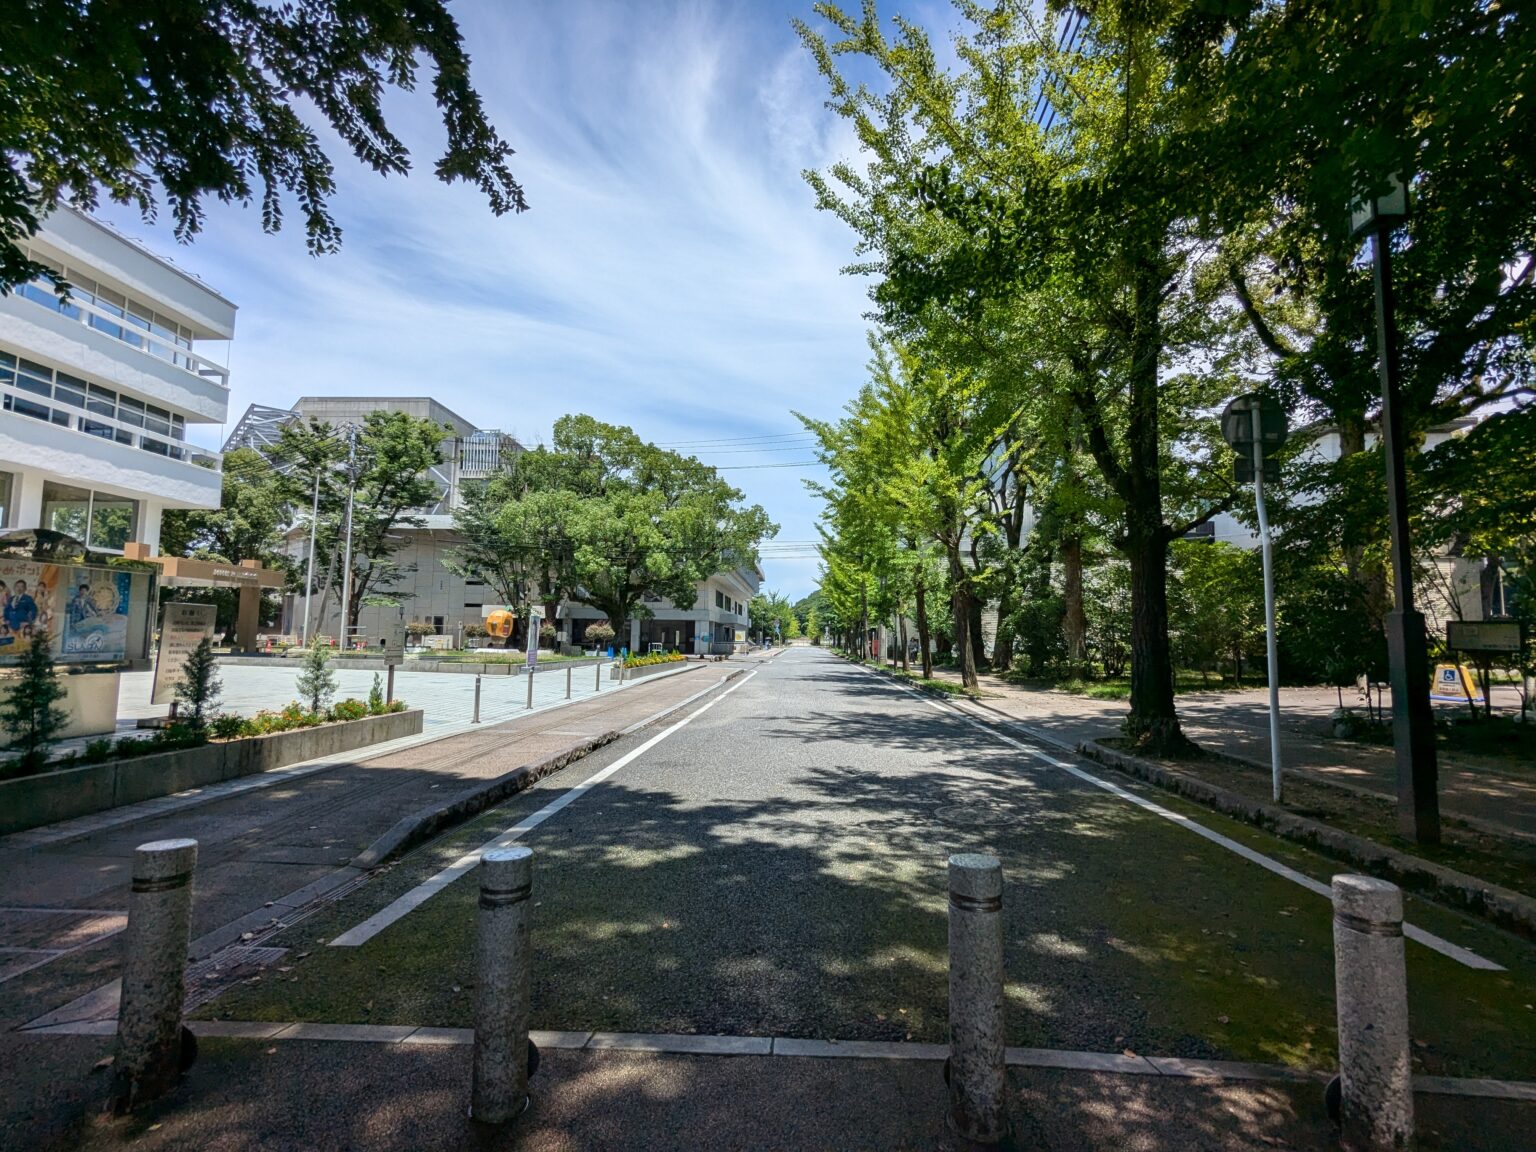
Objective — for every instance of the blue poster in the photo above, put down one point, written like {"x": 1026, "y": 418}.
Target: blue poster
{"x": 95, "y": 612}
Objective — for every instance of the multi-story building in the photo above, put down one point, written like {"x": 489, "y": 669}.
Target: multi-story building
{"x": 99, "y": 390}
{"x": 428, "y": 588}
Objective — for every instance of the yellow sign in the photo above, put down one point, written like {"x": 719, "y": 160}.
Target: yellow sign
{"x": 1454, "y": 682}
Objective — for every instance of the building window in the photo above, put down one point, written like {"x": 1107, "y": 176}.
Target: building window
{"x": 7, "y": 489}
{"x": 99, "y": 520}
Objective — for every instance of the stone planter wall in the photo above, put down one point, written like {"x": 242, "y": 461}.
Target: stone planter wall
{"x": 33, "y": 801}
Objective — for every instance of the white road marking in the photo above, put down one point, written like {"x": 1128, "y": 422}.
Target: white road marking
{"x": 424, "y": 891}
{"x": 1428, "y": 939}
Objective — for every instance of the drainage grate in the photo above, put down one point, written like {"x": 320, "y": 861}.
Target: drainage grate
{"x": 208, "y": 979}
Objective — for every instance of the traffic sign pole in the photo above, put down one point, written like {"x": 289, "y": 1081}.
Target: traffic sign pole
{"x": 1269, "y": 606}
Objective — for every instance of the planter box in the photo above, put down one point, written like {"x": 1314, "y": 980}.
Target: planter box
{"x": 90, "y": 700}
{"x": 33, "y": 801}
{"x": 647, "y": 669}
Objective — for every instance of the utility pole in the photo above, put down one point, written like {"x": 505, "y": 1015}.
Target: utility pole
{"x": 346, "y": 567}
{"x": 309, "y": 567}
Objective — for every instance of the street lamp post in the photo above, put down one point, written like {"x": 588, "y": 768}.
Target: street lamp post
{"x": 309, "y": 567}
{"x": 346, "y": 567}
{"x": 1413, "y": 723}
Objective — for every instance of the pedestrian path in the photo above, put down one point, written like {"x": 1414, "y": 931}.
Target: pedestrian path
{"x": 1237, "y": 723}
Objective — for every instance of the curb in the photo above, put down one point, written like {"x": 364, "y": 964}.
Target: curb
{"x": 1503, "y": 906}
{"x": 427, "y": 822}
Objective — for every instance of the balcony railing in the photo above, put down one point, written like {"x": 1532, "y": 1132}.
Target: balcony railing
{"x": 26, "y": 397}
{"x": 130, "y": 329}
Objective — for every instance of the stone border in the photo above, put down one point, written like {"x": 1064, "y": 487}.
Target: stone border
{"x": 427, "y": 822}
{"x": 792, "y": 1047}
{"x": 1503, "y": 906}
{"x": 49, "y": 797}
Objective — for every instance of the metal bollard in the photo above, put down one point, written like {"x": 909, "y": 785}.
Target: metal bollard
{"x": 502, "y": 986}
{"x": 530, "y": 687}
{"x": 568, "y": 681}
{"x": 977, "y": 1086}
{"x": 598, "y": 687}
{"x": 149, "y": 1028}
{"x": 1371, "y": 987}
{"x": 476, "y": 719}
{"x": 389, "y": 687}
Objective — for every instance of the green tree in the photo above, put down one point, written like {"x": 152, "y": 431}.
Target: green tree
{"x": 199, "y": 688}
{"x": 316, "y": 682}
{"x": 607, "y": 519}
{"x": 29, "y": 713}
{"x": 192, "y": 99}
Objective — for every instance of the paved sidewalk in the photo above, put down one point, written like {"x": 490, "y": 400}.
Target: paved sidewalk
{"x": 256, "y": 848}
{"x": 1237, "y": 723}
{"x": 301, "y": 1095}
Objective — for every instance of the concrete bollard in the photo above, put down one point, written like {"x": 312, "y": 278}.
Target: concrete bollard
{"x": 1371, "y": 987}
{"x": 502, "y": 957}
{"x": 977, "y": 1084}
{"x": 149, "y": 1025}
{"x": 530, "y": 688}
{"x": 476, "y": 718}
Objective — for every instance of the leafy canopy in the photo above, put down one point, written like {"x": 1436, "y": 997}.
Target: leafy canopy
{"x": 191, "y": 99}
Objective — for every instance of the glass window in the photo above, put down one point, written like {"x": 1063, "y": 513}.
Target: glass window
{"x": 96, "y": 428}
{"x": 7, "y": 488}
{"x": 102, "y": 401}
{"x": 130, "y": 411}
{"x": 69, "y": 390}
{"x": 66, "y": 509}
{"x": 113, "y": 520}
{"x": 24, "y": 407}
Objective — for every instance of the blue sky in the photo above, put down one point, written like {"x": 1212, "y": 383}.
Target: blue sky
{"x": 673, "y": 273}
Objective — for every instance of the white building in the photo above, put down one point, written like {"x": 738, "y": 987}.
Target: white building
{"x": 428, "y": 590}
{"x": 99, "y": 392}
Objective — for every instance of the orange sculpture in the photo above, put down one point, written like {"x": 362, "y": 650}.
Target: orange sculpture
{"x": 499, "y": 623}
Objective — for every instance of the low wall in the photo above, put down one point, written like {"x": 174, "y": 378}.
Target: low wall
{"x": 648, "y": 669}
{"x": 33, "y": 801}
{"x": 90, "y": 701}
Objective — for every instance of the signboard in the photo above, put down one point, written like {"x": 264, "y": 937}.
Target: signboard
{"x": 393, "y": 642}
{"x": 1454, "y": 682}
{"x": 1483, "y": 635}
{"x": 83, "y": 611}
{"x": 182, "y": 629}
{"x": 1237, "y": 429}
{"x": 535, "y": 622}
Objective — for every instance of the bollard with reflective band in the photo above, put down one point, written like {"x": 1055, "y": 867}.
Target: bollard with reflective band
{"x": 149, "y": 1040}
{"x": 476, "y": 718}
{"x": 1375, "y": 1074}
{"x": 977, "y": 1083}
{"x": 502, "y": 989}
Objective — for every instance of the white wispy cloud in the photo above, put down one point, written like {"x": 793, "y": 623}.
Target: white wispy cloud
{"x": 672, "y": 275}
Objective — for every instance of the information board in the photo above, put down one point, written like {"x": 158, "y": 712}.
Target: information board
{"x": 1483, "y": 635}
{"x": 182, "y": 629}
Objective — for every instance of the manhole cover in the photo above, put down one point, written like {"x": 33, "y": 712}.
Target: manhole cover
{"x": 975, "y": 816}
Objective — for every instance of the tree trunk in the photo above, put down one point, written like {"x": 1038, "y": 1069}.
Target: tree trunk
{"x": 960, "y": 610}
{"x": 978, "y": 639}
{"x": 922, "y": 631}
{"x": 1153, "y": 723}
{"x": 901, "y": 638}
{"x": 1002, "y": 645}
{"x": 1074, "y": 621}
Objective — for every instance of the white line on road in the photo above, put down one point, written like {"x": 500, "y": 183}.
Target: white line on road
{"x": 424, "y": 891}
{"x": 1428, "y": 939}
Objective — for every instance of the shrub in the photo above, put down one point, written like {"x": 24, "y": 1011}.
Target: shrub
{"x": 547, "y": 635}
{"x": 29, "y": 713}
{"x": 654, "y": 658}
{"x": 600, "y": 634}
{"x": 132, "y": 746}
{"x": 178, "y": 735}
{"x": 349, "y": 710}
{"x": 316, "y": 681}
{"x": 395, "y": 706}
{"x": 376, "y": 695}
{"x": 199, "y": 687}
{"x": 98, "y": 751}
{"x": 228, "y": 727}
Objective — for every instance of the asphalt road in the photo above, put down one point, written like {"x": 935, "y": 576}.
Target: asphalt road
{"x": 777, "y": 867}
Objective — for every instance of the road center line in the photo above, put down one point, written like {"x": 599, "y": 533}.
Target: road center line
{"x": 1428, "y": 939}
{"x": 424, "y": 891}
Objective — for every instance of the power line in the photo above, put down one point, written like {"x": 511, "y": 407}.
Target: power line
{"x": 734, "y": 439}
{"x": 790, "y": 464}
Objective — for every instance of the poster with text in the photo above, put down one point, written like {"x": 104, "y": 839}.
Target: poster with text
{"x": 183, "y": 627}
{"x": 95, "y": 615}
{"x": 28, "y": 605}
